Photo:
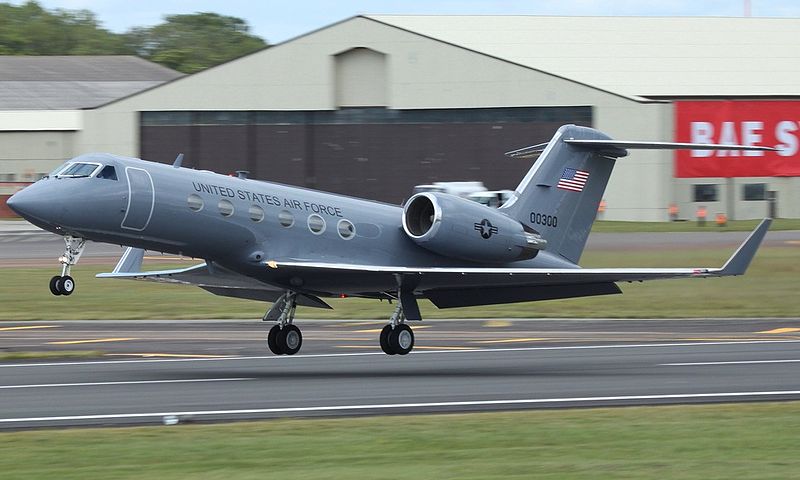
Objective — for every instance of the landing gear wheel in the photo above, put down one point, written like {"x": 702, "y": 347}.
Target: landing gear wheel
{"x": 272, "y": 340}
{"x": 54, "y": 285}
{"x": 290, "y": 339}
{"x": 384, "y": 339}
{"x": 401, "y": 339}
{"x": 66, "y": 286}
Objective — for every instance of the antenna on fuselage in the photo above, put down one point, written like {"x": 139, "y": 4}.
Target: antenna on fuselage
{"x": 178, "y": 161}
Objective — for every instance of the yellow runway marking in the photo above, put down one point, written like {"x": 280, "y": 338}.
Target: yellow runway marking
{"x": 27, "y": 327}
{"x": 497, "y": 323}
{"x": 378, "y": 330}
{"x": 169, "y": 355}
{"x": 512, "y": 340}
{"x": 354, "y": 324}
{"x": 781, "y": 330}
{"x": 98, "y": 340}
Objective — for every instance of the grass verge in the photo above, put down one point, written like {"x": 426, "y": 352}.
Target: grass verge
{"x": 768, "y": 289}
{"x": 743, "y": 441}
{"x": 607, "y": 226}
{"x": 31, "y": 355}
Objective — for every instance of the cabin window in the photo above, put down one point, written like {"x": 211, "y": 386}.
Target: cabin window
{"x": 346, "y": 229}
{"x": 108, "y": 172}
{"x": 225, "y": 208}
{"x": 76, "y": 170}
{"x": 316, "y": 224}
{"x": 286, "y": 218}
{"x": 256, "y": 213}
{"x": 195, "y": 202}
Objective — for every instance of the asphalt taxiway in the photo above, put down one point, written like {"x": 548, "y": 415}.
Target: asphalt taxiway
{"x": 154, "y": 371}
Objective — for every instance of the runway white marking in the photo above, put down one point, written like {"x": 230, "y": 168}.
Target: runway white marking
{"x": 132, "y": 382}
{"x": 416, "y": 352}
{"x": 395, "y": 406}
{"x": 735, "y": 362}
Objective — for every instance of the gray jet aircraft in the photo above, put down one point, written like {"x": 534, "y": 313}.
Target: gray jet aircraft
{"x": 294, "y": 246}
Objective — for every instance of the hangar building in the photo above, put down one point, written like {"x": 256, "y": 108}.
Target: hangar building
{"x": 42, "y": 103}
{"x": 373, "y": 105}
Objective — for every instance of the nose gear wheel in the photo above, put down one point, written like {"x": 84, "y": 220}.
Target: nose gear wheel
{"x": 64, "y": 284}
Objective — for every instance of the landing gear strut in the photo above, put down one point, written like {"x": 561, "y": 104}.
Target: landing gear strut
{"x": 397, "y": 338}
{"x": 64, "y": 284}
{"x": 284, "y": 338}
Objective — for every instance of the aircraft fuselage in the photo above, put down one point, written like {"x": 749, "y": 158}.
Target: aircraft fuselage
{"x": 238, "y": 223}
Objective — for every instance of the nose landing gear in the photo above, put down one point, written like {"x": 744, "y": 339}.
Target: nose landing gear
{"x": 284, "y": 338}
{"x": 64, "y": 284}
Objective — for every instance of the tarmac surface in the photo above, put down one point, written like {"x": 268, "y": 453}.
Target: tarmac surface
{"x": 149, "y": 372}
{"x": 199, "y": 371}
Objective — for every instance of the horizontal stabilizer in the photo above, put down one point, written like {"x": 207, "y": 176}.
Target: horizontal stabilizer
{"x": 527, "y": 152}
{"x": 616, "y": 148}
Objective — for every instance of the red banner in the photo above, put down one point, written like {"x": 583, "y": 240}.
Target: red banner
{"x": 766, "y": 123}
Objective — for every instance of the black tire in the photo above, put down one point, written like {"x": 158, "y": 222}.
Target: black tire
{"x": 401, "y": 339}
{"x": 384, "y": 339}
{"x": 67, "y": 285}
{"x": 272, "y": 340}
{"x": 290, "y": 339}
{"x": 54, "y": 288}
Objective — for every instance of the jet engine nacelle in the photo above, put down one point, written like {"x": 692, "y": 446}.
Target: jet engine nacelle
{"x": 456, "y": 227}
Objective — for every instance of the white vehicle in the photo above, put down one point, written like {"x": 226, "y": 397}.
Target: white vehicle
{"x": 491, "y": 198}
{"x": 461, "y": 189}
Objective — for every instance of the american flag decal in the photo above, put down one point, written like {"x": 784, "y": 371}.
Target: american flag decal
{"x": 573, "y": 180}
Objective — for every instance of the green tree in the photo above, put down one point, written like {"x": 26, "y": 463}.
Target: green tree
{"x": 29, "y": 29}
{"x": 193, "y": 42}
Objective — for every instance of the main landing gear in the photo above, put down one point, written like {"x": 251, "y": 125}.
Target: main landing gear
{"x": 64, "y": 284}
{"x": 397, "y": 338}
{"x": 284, "y": 338}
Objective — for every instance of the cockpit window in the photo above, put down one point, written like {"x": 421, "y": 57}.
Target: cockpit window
{"x": 108, "y": 172}
{"x": 58, "y": 170}
{"x": 78, "y": 169}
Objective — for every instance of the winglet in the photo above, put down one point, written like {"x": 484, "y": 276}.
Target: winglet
{"x": 740, "y": 260}
{"x": 130, "y": 261}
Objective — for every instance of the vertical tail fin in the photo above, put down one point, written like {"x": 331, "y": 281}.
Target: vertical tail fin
{"x": 559, "y": 196}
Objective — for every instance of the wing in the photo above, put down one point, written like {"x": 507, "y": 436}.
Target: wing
{"x": 214, "y": 279}
{"x": 465, "y": 286}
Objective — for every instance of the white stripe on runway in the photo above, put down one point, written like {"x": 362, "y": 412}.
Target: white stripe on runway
{"x": 133, "y": 382}
{"x": 735, "y": 362}
{"x": 378, "y": 353}
{"x": 395, "y": 406}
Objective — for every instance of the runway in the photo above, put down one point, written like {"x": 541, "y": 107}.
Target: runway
{"x": 220, "y": 371}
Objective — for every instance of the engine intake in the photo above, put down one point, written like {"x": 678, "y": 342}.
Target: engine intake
{"x": 456, "y": 227}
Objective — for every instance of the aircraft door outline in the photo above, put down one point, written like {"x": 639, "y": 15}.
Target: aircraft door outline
{"x": 141, "y": 199}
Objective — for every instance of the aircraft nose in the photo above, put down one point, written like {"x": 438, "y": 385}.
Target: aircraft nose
{"x": 27, "y": 204}
{"x": 15, "y": 203}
